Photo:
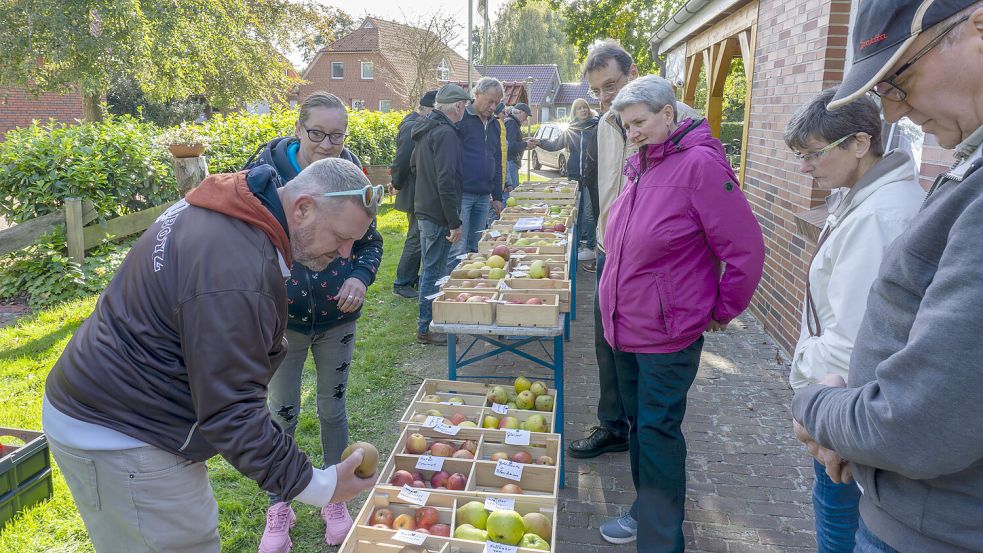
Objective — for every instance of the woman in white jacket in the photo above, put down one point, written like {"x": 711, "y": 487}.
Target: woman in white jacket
{"x": 873, "y": 196}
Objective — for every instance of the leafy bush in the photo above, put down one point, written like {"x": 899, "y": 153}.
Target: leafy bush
{"x": 235, "y": 136}
{"x": 730, "y": 131}
{"x": 114, "y": 164}
{"x": 372, "y": 135}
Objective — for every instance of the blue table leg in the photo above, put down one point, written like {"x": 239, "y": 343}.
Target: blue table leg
{"x": 451, "y": 356}
{"x": 566, "y": 327}
{"x": 573, "y": 273}
{"x": 558, "y": 382}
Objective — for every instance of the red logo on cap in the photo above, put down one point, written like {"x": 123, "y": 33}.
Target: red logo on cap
{"x": 872, "y": 41}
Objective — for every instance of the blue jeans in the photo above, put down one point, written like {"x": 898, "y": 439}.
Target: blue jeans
{"x": 837, "y": 511}
{"x": 433, "y": 255}
{"x": 332, "y": 351}
{"x": 653, "y": 388}
{"x": 512, "y": 175}
{"x": 867, "y": 542}
{"x": 610, "y": 411}
{"x": 585, "y": 219}
{"x": 474, "y": 219}
{"x": 408, "y": 270}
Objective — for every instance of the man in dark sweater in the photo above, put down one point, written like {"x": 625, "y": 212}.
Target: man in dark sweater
{"x": 172, "y": 366}
{"x": 906, "y": 426}
{"x": 404, "y": 181}
{"x": 437, "y": 163}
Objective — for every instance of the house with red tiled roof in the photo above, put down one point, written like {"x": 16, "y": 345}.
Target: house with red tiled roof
{"x": 544, "y": 82}
{"x": 378, "y": 66}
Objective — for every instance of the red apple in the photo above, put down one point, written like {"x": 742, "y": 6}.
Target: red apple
{"x": 417, "y": 476}
{"x": 419, "y": 484}
{"x": 463, "y": 296}
{"x": 382, "y": 516}
{"x": 401, "y": 478}
{"x": 534, "y": 301}
{"x": 404, "y": 522}
{"x": 440, "y": 449}
{"x": 511, "y": 488}
{"x": 457, "y": 481}
{"x": 463, "y": 454}
{"x": 501, "y": 251}
{"x": 559, "y": 227}
{"x": 441, "y": 529}
{"x": 439, "y": 479}
{"x": 426, "y": 517}
{"x": 422, "y": 531}
{"x": 523, "y": 457}
{"x": 458, "y": 418}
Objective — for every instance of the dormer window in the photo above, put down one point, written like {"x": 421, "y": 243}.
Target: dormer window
{"x": 443, "y": 70}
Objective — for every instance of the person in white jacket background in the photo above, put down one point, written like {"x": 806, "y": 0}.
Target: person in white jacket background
{"x": 873, "y": 197}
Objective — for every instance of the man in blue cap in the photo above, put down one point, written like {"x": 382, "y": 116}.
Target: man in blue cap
{"x": 906, "y": 426}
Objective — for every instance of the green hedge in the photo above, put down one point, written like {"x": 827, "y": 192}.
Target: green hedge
{"x": 730, "y": 131}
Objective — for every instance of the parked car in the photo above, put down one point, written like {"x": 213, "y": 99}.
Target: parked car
{"x": 557, "y": 159}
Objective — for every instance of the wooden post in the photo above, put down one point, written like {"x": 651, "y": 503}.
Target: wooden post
{"x": 74, "y": 237}
{"x": 189, "y": 171}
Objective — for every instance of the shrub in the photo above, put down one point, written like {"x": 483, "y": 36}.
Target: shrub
{"x": 372, "y": 135}
{"x": 729, "y": 131}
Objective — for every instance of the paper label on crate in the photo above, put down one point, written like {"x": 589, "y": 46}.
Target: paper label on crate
{"x": 442, "y": 280}
{"x": 415, "y": 496}
{"x": 408, "y": 536}
{"x": 519, "y": 274}
{"x": 495, "y": 547}
{"x": 499, "y": 504}
{"x": 432, "y": 421}
{"x": 435, "y": 296}
{"x": 500, "y": 409}
{"x": 445, "y": 428}
{"x": 429, "y": 462}
{"x": 509, "y": 469}
{"x": 518, "y": 255}
{"x": 494, "y": 233}
{"x": 463, "y": 256}
{"x": 522, "y": 267}
{"x": 529, "y": 223}
{"x": 517, "y": 437}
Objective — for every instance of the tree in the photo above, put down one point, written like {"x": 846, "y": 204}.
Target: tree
{"x": 532, "y": 34}
{"x": 424, "y": 44}
{"x": 226, "y": 51}
{"x": 630, "y": 22}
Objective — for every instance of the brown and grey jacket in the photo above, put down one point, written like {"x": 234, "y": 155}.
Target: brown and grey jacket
{"x": 183, "y": 342}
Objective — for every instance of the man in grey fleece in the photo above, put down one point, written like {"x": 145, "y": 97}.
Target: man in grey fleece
{"x": 908, "y": 424}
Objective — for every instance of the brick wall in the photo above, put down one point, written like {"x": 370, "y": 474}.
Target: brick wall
{"x": 800, "y": 51}
{"x": 19, "y": 107}
{"x": 353, "y": 86}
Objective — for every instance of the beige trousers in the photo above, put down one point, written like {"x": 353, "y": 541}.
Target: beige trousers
{"x": 141, "y": 500}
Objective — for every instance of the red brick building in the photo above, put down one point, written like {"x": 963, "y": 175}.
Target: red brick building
{"x": 791, "y": 51}
{"x": 19, "y": 107}
{"x": 373, "y": 67}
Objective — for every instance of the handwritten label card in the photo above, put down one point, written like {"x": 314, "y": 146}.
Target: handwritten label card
{"x": 432, "y": 421}
{"x": 445, "y": 428}
{"x": 415, "y": 496}
{"x": 517, "y": 437}
{"x": 499, "y": 504}
{"x": 408, "y": 536}
{"x": 429, "y": 462}
{"x": 495, "y": 547}
{"x": 508, "y": 469}
{"x": 500, "y": 409}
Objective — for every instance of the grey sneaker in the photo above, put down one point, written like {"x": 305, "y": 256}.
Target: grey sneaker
{"x": 620, "y": 530}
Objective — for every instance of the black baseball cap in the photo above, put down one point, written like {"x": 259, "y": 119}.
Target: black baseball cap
{"x": 883, "y": 31}
{"x": 522, "y": 106}
{"x": 427, "y": 99}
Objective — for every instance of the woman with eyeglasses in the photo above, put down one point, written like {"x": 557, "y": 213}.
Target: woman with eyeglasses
{"x": 323, "y": 307}
{"x": 873, "y": 197}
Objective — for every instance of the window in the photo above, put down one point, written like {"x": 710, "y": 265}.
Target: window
{"x": 358, "y": 104}
{"x": 443, "y": 70}
{"x": 385, "y": 106}
{"x": 561, "y": 113}
{"x": 367, "y": 70}
{"x": 337, "y": 70}
{"x": 545, "y": 114}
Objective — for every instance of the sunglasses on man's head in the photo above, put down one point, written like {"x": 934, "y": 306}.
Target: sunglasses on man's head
{"x": 371, "y": 195}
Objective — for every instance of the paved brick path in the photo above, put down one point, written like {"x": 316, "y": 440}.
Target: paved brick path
{"x": 749, "y": 480}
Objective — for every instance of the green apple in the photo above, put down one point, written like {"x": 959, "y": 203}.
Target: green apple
{"x": 473, "y": 513}
{"x": 525, "y": 400}
{"x": 432, "y": 398}
{"x": 469, "y": 532}
{"x": 496, "y": 262}
{"x": 538, "y": 269}
{"x": 490, "y": 421}
{"x": 499, "y": 395}
{"x": 535, "y": 423}
{"x": 497, "y": 274}
{"x": 511, "y": 423}
{"x": 455, "y": 401}
{"x": 532, "y": 541}
{"x": 539, "y": 525}
{"x": 505, "y": 527}
{"x": 544, "y": 403}
{"x": 538, "y": 388}
{"x": 522, "y": 384}
{"x": 511, "y": 202}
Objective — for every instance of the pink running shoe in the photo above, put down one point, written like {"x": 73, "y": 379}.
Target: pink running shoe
{"x": 337, "y": 523}
{"x": 280, "y": 518}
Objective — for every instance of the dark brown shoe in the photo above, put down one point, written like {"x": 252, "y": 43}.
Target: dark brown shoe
{"x": 432, "y": 339}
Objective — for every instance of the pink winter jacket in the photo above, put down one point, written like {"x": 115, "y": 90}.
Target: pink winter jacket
{"x": 680, "y": 216}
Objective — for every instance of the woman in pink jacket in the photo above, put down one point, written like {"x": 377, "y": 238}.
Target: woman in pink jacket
{"x": 684, "y": 255}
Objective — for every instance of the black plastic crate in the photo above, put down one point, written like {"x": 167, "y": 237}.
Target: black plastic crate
{"x": 25, "y": 473}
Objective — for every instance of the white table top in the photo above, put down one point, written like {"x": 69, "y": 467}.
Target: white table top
{"x": 455, "y": 328}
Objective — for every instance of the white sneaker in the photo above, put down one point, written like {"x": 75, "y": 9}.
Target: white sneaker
{"x": 585, "y": 254}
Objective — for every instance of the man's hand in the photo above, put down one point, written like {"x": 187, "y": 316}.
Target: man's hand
{"x": 348, "y": 485}
{"x": 716, "y": 327}
{"x": 531, "y": 143}
{"x": 351, "y": 295}
{"x": 454, "y": 235}
{"x": 390, "y": 189}
{"x": 837, "y": 468}
{"x": 497, "y": 206}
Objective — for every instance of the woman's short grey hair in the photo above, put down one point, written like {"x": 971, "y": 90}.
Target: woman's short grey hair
{"x": 332, "y": 174}
{"x": 652, "y": 91}
{"x": 814, "y": 122}
{"x": 320, "y": 99}
{"x": 485, "y": 84}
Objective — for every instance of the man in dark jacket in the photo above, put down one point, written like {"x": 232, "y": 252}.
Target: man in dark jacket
{"x": 323, "y": 308}
{"x": 517, "y": 117}
{"x": 437, "y": 162}
{"x": 173, "y": 364}
{"x": 481, "y": 148}
{"x": 403, "y": 180}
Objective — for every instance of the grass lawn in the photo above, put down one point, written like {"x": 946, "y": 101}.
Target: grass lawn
{"x": 379, "y": 386}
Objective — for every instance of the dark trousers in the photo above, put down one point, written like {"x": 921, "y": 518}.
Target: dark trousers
{"x": 408, "y": 270}
{"x": 610, "y": 411}
{"x": 653, "y": 388}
